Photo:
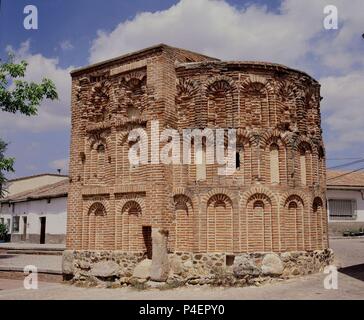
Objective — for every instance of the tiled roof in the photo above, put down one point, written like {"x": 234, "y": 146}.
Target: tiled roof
{"x": 53, "y": 190}
{"x": 36, "y": 176}
{"x": 345, "y": 178}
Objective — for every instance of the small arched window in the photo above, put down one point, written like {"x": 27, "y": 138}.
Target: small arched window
{"x": 303, "y": 167}
{"x": 133, "y": 113}
{"x": 258, "y": 207}
{"x": 237, "y": 160}
{"x": 274, "y": 163}
{"x": 321, "y": 165}
{"x": 220, "y": 203}
{"x": 292, "y": 205}
{"x": 100, "y": 161}
{"x": 101, "y": 148}
{"x": 201, "y": 163}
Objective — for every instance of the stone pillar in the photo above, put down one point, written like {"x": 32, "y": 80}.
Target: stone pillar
{"x": 160, "y": 267}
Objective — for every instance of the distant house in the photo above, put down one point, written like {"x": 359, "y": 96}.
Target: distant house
{"x": 345, "y": 196}
{"x": 35, "y": 209}
{"x": 22, "y": 184}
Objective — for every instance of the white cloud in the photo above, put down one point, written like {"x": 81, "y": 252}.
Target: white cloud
{"x": 219, "y": 29}
{"x": 294, "y": 36}
{"x": 251, "y": 33}
{"x": 60, "y": 164}
{"x": 66, "y": 45}
{"x": 52, "y": 115}
{"x": 343, "y": 108}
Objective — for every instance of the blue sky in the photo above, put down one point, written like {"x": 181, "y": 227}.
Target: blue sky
{"x": 76, "y": 33}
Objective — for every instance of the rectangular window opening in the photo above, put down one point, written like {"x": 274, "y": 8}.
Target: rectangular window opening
{"x": 342, "y": 209}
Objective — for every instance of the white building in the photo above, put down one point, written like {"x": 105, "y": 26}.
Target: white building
{"x": 345, "y": 196}
{"x": 37, "y": 215}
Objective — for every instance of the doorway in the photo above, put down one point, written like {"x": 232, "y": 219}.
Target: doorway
{"x": 24, "y": 234}
{"x": 42, "y": 230}
{"x": 147, "y": 236}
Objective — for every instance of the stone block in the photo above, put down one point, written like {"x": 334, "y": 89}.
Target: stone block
{"x": 160, "y": 265}
{"x": 142, "y": 269}
{"x": 176, "y": 266}
{"x": 67, "y": 262}
{"x": 244, "y": 265}
{"x": 105, "y": 269}
{"x": 272, "y": 265}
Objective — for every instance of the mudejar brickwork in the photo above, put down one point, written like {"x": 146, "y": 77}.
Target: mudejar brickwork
{"x": 268, "y": 219}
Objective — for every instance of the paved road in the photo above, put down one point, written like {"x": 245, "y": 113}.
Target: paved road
{"x": 349, "y": 255}
{"x": 42, "y": 262}
{"x": 348, "y": 252}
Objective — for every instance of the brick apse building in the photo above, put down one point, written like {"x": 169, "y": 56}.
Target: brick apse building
{"x": 267, "y": 219}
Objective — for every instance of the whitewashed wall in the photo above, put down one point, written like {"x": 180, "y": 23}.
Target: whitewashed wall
{"x": 348, "y": 195}
{"x": 55, "y": 213}
{"x": 338, "y": 227}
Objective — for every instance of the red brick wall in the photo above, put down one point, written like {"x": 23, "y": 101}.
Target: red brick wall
{"x": 267, "y": 104}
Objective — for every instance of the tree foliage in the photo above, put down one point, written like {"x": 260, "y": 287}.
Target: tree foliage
{"x": 19, "y": 96}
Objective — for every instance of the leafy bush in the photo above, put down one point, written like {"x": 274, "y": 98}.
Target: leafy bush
{"x": 3, "y": 231}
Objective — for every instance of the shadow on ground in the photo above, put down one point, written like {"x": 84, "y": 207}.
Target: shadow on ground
{"x": 356, "y": 271}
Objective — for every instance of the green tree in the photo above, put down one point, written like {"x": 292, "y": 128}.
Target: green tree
{"x": 19, "y": 96}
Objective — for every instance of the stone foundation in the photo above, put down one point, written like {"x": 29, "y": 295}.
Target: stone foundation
{"x": 116, "y": 268}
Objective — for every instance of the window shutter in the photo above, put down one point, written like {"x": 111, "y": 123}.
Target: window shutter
{"x": 342, "y": 209}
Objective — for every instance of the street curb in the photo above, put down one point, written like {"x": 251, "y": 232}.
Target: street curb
{"x": 20, "y": 269}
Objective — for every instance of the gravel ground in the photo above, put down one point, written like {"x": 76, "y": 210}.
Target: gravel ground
{"x": 349, "y": 255}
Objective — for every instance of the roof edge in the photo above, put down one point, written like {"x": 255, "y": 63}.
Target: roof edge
{"x": 247, "y": 63}
{"x": 158, "y": 47}
{"x": 35, "y": 198}
{"x": 37, "y": 175}
{"x": 345, "y": 187}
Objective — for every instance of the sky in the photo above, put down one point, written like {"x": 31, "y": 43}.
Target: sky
{"x": 75, "y": 33}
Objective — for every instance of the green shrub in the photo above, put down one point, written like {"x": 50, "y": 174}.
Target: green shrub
{"x": 3, "y": 231}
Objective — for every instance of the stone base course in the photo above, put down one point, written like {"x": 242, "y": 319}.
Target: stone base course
{"x": 116, "y": 268}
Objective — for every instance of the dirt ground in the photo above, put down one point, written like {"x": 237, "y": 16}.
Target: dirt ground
{"x": 349, "y": 257}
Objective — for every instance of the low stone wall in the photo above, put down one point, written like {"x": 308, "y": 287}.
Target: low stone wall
{"x": 248, "y": 268}
{"x": 115, "y": 268}
{"x": 99, "y": 267}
